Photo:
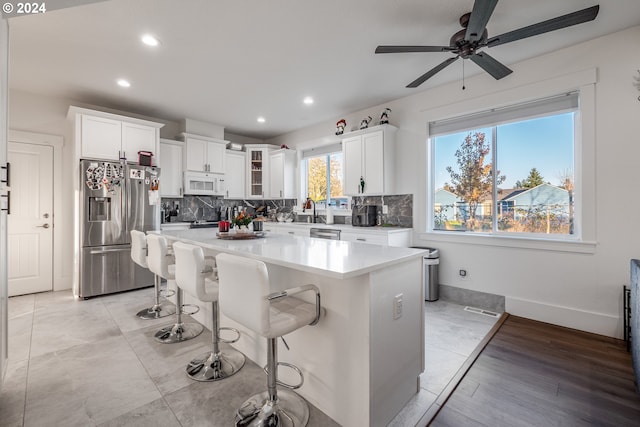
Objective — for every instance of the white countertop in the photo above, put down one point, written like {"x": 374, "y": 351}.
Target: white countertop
{"x": 333, "y": 258}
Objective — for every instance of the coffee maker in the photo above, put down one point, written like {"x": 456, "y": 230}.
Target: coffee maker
{"x": 364, "y": 216}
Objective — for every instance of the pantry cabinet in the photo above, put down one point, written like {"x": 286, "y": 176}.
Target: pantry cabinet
{"x": 282, "y": 174}
{"x": 235, "y": 174}
{"x": 106, "y": 136}
{"x": 204, "y": 154}
{"x": 171, "y": 158}
{"x": 369, "y": 157}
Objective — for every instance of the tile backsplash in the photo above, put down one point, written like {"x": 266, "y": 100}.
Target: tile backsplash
{"x": 207, "y": 208}
{"x": 204, "y": 208}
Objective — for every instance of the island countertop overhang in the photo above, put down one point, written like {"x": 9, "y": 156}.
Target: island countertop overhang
{"x": 333, "y": 258}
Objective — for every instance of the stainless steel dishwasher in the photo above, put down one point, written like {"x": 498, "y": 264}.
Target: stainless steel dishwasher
{"x": 325, "y": 233}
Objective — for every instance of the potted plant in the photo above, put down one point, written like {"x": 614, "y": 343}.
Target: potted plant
{"x": 242, "y": 221}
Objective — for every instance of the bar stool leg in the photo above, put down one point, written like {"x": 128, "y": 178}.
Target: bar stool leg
{"x": 179, "y": 331}
{"x": 273, "y": 407}
{"x": 215, "y": 365}
{"x": 158, "y": 310}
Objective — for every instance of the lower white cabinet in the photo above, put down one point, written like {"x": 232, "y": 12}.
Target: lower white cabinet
{"x": 400, "y": 237}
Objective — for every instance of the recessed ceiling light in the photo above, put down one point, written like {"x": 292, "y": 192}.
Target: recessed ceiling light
{"x": 123, "y": 83}
{"x": 149, "y": 40}
{"x": 261, "y": 119}
{"x": 308, "y": 100}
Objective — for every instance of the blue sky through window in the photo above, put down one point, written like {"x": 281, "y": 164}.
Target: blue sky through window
{"x": 545, "y": 143}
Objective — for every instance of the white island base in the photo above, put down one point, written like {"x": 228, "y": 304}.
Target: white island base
{"x": 361, "y": 365}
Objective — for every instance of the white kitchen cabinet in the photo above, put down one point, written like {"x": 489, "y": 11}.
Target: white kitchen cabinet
{"x": 368, "y": 157}
{"x": 282, "y": 174}
{"x": 293, "y": 230}
{"x": 106, "y": 136}
{"x": 235, "y": 174}
{"x": 401, "y": 238}
{"x": 171, "y": 154}
{"x": 204, "y": 154}
{"x": 258, "y": 170}
{"x": 136, "y": 138}
{"x": 101, "y": 138}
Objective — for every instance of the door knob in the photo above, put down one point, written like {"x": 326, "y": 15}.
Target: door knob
{"x": 43, "y": 226}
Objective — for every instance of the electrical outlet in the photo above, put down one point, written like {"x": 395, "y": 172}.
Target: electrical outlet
{"x": 463, "y": 273}
{"x": 397, "y": 306}
{"x": 385, "y": 209}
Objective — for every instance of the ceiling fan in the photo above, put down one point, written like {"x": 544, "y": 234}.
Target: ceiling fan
{"x": 466, "y": 42}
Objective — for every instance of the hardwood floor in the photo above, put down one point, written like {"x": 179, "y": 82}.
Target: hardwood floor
{"x": 536, "y": 374}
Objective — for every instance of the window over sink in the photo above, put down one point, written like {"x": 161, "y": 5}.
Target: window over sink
{"x": 323, "y": 176}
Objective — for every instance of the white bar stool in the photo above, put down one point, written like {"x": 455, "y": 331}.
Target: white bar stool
{"x": 139, "y": 256}
{"x": 199, "y": 280}
{"x": 158, "y": 260}
{"x": 246, "y": 297}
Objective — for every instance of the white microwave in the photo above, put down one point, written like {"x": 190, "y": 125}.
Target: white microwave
{"x": 204, "y": 183}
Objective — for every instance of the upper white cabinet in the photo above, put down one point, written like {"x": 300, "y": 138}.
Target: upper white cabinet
{"x": 107, "y": 136}
{"x": 235, "y": 174}
{"x": 204, "y": 154}
{"x": 171, "y": 154}
{"x": 282, "y": 174}
{"x": 369, "y": 161}
{"x": 258, "y": 170}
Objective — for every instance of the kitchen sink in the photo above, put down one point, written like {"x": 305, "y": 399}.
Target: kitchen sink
{"x": 204, "y": 224}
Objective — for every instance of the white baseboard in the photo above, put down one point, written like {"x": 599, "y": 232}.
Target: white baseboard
{"x": 589, "y": 321}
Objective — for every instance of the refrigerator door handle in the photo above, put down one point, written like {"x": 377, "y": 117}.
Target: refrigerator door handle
{"x": 108, "y": 251}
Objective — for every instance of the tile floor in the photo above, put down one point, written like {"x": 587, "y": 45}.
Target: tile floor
{"x": 93, "y": 363}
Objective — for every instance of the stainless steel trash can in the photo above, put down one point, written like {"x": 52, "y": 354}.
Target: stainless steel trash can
{"x": 430, "y": 278}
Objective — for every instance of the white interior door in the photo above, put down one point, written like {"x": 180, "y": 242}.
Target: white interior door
{"x": 30, "y": 225}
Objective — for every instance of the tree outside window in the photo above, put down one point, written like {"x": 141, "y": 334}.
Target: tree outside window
{"x": 324, "y": 180}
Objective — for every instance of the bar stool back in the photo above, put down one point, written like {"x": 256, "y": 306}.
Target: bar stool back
{"x": 158, "y": 260}
{"x": 199, "y": 280}
{"x": 246, "y": 295}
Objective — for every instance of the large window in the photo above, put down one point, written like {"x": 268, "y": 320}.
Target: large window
{"x": 507, "y": 171}
{"x": 323, "y": 176}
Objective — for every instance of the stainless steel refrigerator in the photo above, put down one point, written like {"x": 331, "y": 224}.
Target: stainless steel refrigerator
{"x": 114, "y": 199}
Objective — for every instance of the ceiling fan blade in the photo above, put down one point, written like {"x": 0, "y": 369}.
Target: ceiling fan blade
{"x": 409, "y": 49}
{"x": 490, "y": 65}
{"x": 584, "y": 15}
{"x": 482, "y": 10}
{"x": 423, "y": 78}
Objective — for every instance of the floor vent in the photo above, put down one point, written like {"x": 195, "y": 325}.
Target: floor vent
{"x": 481, "y": 311}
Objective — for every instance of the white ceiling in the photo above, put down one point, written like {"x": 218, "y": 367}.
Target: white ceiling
{"x": 228, "y": 62}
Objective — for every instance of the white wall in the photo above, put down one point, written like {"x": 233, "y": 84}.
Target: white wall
{"x": 579, "y": 287}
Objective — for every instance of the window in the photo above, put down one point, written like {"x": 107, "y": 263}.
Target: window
{"x": 323, "y": 176}
{"x": 507, "y": 171}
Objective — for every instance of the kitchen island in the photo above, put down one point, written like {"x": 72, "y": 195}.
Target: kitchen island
{"x": 362, "y": 360}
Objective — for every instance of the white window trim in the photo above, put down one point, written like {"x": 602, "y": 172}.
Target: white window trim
{"x": 584, "y": 167}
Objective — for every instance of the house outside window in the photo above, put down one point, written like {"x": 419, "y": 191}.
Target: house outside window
{"x": 323, "y": 176}
{"x": 507, "y": 171}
